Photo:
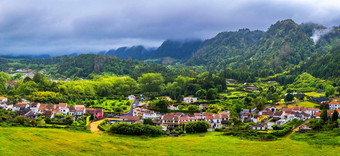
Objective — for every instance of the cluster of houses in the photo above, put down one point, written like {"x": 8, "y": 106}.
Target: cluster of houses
{"x": 267, "y": 117}
{"x": 173, "y": 120}
{"x": 263, "y": 119}
{"x": 32, "y": 110}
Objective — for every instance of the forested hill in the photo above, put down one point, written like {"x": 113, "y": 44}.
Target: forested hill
{"x": 180, "y": 50}
{"x": 283, "y": 45}
{"x": 86, "y": 65}
{"x": 226, "y": 48}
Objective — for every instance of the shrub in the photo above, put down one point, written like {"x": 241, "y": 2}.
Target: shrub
{"x": 197, "y": 126}
{"x": 135, "y": 129}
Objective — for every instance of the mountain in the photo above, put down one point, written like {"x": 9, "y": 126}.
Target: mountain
{"x": 282, "y": 46}
{"x": 178, "y": 50}
{"x": 135, "y": 52}
{"x": 225, "y": 48}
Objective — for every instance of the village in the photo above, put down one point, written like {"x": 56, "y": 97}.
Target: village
{"x": 262, "y": 119}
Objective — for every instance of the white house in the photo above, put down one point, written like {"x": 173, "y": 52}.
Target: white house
{"x": 149, "y": 114}
{"x": 20, "y": 106}
{"x": 7, "y": 106}
{"x": 172, "y": 107}
{"x": 3, "y": 99}
{"x": 334, "y": 105}
{"x": 312, "y": 111}
{"x": 260, "y": 126}
{"x": 35, "y": 107}
{"x": 131, "y": 97}
{"x": 190, "y": 99}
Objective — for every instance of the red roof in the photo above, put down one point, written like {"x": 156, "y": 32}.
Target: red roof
{"x": 334, "y": 103}
{"x": 338, "y": 110}
{"x": 246, "y": 114}
{"x": 296, "y": 108}
{"x": 197, "y": 114}
{"x": 207, "y": 114}
{"x": 62, "y": 104}
{"x": 317, "y": 113}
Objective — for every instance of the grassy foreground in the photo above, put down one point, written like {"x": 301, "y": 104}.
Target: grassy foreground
{"x": 38, "y": 141}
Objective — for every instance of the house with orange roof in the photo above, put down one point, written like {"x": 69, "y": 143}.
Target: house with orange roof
{"x": 3, "y": 99}
{"x": 334, "y": 105}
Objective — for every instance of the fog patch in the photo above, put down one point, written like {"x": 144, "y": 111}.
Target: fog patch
{"x": 320, "y": 32}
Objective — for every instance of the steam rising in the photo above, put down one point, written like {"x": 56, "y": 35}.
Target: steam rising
{"x": 320, "y": 32}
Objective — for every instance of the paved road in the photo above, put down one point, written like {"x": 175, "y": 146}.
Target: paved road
{"x": 134, "y": 105}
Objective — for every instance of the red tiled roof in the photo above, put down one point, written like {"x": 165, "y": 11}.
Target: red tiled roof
{"x": 207, "y": 114}
{"x": 62, "y": 104}
{"x": 197, "y": 114}
{"x": 209, "y": 117}
{"x": 89, "y": 109}
{"x": 296, "y": 108}
{"x": 34, "y": 104}
{"x": 334, "y": 103}
{"x": 42, "y": 107}
{"x": 246, "y": 114}
{"x": 217, "y": 116}
{"x": 317, "y": 113}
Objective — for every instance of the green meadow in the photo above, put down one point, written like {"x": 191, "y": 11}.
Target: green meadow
{"x": 39, "y": 141}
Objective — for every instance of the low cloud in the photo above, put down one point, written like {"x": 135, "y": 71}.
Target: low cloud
{"x": 65, "y": 26}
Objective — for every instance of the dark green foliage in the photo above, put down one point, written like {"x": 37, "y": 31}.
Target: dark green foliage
{"x": 91, "y": 117}
{"x": 211, "y": 94}
{"x": 135, "y": 129}
{"x": 197, "y": 126}
{"x": 335, "y": 116}
{"x": 324, "y": 115}
{"x": 147, "y": 121}
{"x": 289, "y": 97}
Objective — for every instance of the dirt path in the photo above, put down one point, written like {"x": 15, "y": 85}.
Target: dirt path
{"x": 94, "y": 125}
{"x": 295, "y": 129}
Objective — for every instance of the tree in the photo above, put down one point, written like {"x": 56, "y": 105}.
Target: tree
{"x": 92, "y": 117}
{"x": 329, "y": 90}
{"x": 162, "y": 104}
{"x": 201, "y": 93}
{"x": 324, "y": 115}
{"x": 212, "y": 94}
{"x": 148, "y": 121}
{"x": 335, "y": 116}
{"x": 151, "y": 83}
{"x": 118, "y": 110}
{"x": 197, "y": 126}
{"x": 289, "y": 97}
{"x": 338, "y": 90}
{"x": 193, "y": 108}
{"x": 37, "y": 78}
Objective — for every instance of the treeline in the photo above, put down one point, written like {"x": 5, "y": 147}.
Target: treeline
{"x": 40, "y": 89}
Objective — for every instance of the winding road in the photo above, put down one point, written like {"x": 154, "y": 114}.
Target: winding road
{"x": 134, "y": 105}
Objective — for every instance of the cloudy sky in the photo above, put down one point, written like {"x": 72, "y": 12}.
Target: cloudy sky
{"x": 65, "y": 26}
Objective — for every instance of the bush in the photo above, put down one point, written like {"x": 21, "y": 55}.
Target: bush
{"x": 135, "y": 129}
{"x": 197, "y": 126}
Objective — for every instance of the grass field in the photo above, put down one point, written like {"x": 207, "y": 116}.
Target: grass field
{"x": 305, "y": 104}
{"x": 315, "y": 94}
{"x": 35, "y": 141}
